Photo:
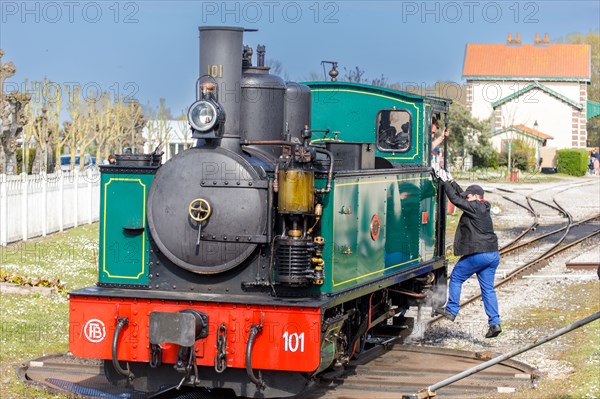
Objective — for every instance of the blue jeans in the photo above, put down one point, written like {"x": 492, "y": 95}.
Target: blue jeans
{"x": 484, "y": 265}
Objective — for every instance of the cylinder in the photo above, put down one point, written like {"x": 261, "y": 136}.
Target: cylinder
{"x": 221, "y": 59}
{"x": 298, "y": 101}
{"x": 296, "y": 191}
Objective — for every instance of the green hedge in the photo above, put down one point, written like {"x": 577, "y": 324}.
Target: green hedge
{"x": 573, "y": 162}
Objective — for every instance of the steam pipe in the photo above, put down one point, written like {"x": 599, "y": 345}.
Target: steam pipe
{"x": 329, "y": 172}
{"x": 265, "y": 142}
{"x": 270, "y": 211}
{"x": 276, "y": 179}
{"x": 408, "y": 293}
{"x": 121, "y": 322}
{"x": 254, "y": 331}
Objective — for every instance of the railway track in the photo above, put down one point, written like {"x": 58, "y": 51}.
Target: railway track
{"x": 404, "y": 369}
{"x": 387, "y": 371}
{"x": 535, "y": 226}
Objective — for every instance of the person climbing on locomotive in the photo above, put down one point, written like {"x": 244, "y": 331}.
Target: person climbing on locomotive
{"x": 436, "y": 141}
{"x": 477, "y": 244}
{"x": 437, "y": 158}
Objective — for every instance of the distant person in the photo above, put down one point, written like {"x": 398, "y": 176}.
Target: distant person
{"x": 477, "y": 244}
{"x": 112, "y": 159}
{"x": 596, "y": 161}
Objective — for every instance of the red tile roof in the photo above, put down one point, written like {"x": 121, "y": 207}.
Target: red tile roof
{"x": 533, "y": 131}
{"x": 567, "y": 61}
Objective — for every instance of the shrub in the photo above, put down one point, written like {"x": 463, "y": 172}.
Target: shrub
{"x": 573, "y": 162}
{"x": 524, "y": 155}
{"x": 485, "y": 159}
{"x": 520, "y": 159}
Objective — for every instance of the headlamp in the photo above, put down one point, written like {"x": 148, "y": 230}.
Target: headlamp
{"x": 203, "y": 115}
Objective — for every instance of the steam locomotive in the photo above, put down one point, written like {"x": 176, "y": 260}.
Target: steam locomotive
{"x": 304, "y": 216}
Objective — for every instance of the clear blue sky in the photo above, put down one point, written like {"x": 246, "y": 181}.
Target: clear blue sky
{"x": 150, "y": 48}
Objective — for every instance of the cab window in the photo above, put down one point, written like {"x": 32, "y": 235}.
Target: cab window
{"x": 394, "y": 129}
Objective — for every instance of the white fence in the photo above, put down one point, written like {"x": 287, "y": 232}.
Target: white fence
{"x": 36, "y": 205}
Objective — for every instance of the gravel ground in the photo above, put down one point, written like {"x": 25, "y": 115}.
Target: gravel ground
{"x": 471, "y": 324}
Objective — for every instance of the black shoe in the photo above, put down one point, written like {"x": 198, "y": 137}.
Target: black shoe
{"x": 444, "y": 312}
{"x": 493, "y": 331}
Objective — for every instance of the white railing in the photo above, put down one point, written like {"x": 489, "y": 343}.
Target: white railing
{"x": 36, "y": 205}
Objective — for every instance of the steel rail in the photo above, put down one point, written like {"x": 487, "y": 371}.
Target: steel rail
{"x": 504, "y": 251}
{"x": 531, "y": 228}
{"x": 537, "y": 262}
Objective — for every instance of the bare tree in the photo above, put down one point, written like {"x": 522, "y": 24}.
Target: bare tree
{"x": 278, "y": 69}
{"x": 103, "y": 123}
{"x": 12, "y": 119}
{"x": 313, "y": 77}
{"x": 40, "y": 133}
{"x": 184, "y": 133}
{"x": 134, "y": 123}
{"x": 159, "y": 129}
{"x": 78, "y": 129}
{"x": 44, "y": 117}
{"x": 355, "y": 75}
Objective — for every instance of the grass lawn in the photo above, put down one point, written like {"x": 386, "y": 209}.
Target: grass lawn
{"x": 35, "y": 325}
{"x": 579, "y": 348}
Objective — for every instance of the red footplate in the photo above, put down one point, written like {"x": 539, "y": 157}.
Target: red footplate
{"x": 289, "y": 340}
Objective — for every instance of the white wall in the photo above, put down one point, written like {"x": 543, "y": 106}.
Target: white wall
{"x": 486, "y": 92}
{"x": 36, "y": 205}
{"x": 554, "y": 116}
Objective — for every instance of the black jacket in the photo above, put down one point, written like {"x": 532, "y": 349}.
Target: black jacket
{"x": 475, "y": 231}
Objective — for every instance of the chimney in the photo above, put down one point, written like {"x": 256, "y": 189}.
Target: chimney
{"x": 537, "y": 38}
{"x": 546, "y": 39}
{"x": 510, "y": 39}
{"x": 518, "y": 38}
